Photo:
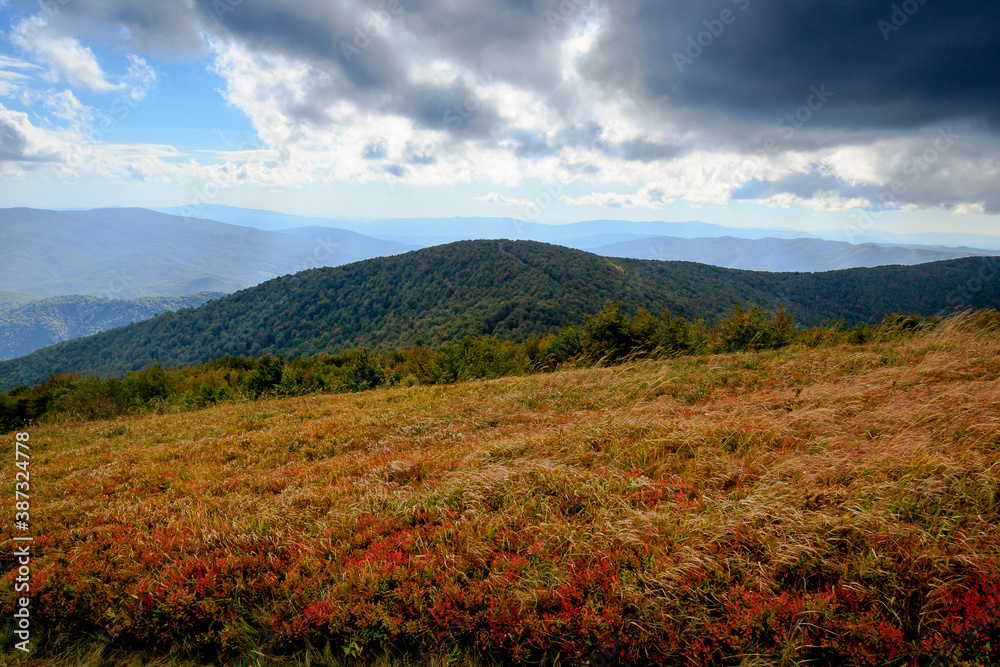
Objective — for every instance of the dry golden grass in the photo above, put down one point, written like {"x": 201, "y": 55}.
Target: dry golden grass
{"x": 876, "y": 467}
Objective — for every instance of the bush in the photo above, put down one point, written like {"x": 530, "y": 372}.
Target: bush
{"x": 756, "y": 329}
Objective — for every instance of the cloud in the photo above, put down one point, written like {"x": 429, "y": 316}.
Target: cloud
{"x": 438, "y": 92}
{"x": 65, "y": 106}
{"x": 21, "y": 141}
{"x": 755, "y": 59}
{"x": 497, "y": 198}
{"x": 12, "y": 76}
{"x": 140, "y": 78}
{"x": 66, "y": 59}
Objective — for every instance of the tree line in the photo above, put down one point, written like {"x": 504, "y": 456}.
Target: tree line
{"x": 610, "y": 336}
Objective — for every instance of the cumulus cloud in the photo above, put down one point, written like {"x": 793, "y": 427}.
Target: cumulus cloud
{"x": 769, "y": 101}
{"x": 66, "y": 59}
{"x": 21, "y": 141}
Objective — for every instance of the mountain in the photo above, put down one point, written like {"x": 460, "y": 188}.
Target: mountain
{"x": 753, "y": 249}
{"x": 503, "y": 288}
{"x": 128, "y": 252}
{"x": 48, "y": 321}
{"x": 781, "y": 254}
{"x": 9, "y": 300}
{"x": 253, "y": 217}
{"x": 929, "y": 239}
{"x": 436, "y": 231}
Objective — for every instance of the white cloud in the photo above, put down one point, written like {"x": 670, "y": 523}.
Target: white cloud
{"x": 11, "y": 80}
{"x": 140, "y": 78}
{"x": 64, "y": 105}
{"x": 23, "y": 142}
{"x": 497, "y": 198}
{"x": 65, "y": 57}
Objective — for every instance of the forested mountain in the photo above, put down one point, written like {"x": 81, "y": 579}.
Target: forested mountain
{"x": 44, "y": 322}
{"x": 10, "y": 300}
{"x": 504, "y": 288}
{"x": 127, "y": 253}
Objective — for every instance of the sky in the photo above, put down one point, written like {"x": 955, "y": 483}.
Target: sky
{"x": 844, "y": 115}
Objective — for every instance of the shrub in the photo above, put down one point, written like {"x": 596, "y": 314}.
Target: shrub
{"x": 755, "y": 329}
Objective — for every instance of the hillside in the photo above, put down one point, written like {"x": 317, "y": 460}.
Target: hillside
{"x": 829, "y": 506}
{"x": 773, "y": 254}
{"x": 9, "y": 300}
{"x": 503, "y": 288}
{"x": 127, "y": 253}
{"x": 44, "y": 322}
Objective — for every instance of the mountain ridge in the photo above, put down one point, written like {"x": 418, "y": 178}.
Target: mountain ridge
{"x": 508, "y": 289}
{"x": 132, "y": 252}
{"x": 52, "y": 320}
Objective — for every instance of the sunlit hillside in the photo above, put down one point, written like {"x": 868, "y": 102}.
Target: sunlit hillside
{"x": 823, "y": 506}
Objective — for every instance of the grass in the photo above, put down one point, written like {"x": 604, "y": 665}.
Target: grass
{"x": 823, "y": 506}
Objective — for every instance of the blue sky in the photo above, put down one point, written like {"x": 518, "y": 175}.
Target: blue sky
{"x": 849, "y": 116}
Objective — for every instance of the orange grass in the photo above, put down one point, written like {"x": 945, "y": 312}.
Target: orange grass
{"x": 836, "y": 505}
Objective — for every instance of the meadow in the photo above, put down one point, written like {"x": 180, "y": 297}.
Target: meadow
{"x": 833, "y": 503}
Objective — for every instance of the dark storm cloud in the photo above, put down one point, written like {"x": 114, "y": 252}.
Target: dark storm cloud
{"x": 926, "y": 61}
{"x": 349, "y": 46}
{"x": 453, "y": 107}
{"x": 531, "y": 145}
{"x": 892, "y": 64}
{"x": 509, "y": 39}
{"x": 729, "y": 75}
{"x": 161, "y": 28}
{"x": 640, "y": 150}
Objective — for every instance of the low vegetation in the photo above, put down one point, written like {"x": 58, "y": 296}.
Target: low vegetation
{"x": 821, "y": 497}
{"x": 608, "y": 337}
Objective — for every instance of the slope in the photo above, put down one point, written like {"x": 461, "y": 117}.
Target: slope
{"x": 128, "y": 252}
{"x": 9, "y": 300}
{"x": 510, "y": 289}
{"x": 831, "y": 506}
{"x": 48, "y": 321}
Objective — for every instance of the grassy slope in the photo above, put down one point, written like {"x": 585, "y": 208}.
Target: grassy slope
{"x": 839, "y": 505}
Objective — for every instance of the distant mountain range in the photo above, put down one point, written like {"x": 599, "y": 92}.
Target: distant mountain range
{"x": 433, "y": 231}
{"x": 44, "y": 322}
{"x": 126, "y": 253}
{"x": 436, "y": 231}
{"x": 9, "y": 300}
{"x": 782, "y": 254}
{"x": 503, "y": 288}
